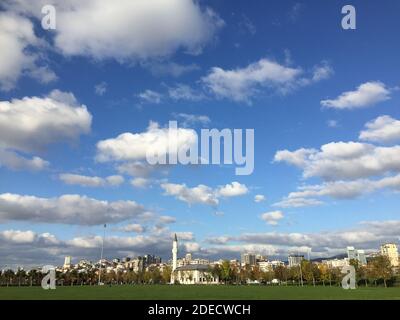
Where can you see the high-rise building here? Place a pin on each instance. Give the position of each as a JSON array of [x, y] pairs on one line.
[[351, 253], [361, 257], [67, 262], [150, 259], [248, 259], [390, 250], [260, 258], [188, 258], [135, 264], [354, 254], [295, 260]]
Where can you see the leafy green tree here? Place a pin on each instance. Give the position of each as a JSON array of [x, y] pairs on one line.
[[355, 263], [362, 275], [281, 273], [268, 276], [316, 273], [217, 271], [226, 271], [324, 273], [20, 276], [166, 274], [336, 276], [235, 274], [255, 273], [294, 274], [307, 271], [381, 269]]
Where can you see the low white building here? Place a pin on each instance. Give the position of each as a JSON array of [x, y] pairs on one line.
[[266, 266], [336, 263], [194, 274]]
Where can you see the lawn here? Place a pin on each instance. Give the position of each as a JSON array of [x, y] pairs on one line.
[[168, 292]]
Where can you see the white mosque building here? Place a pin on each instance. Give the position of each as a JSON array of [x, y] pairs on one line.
[[190, 273]]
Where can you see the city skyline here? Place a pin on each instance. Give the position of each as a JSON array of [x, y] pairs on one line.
[[243, 258], [82, 105], [251, 259]]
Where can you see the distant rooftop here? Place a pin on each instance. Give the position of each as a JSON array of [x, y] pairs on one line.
[[200, 267]]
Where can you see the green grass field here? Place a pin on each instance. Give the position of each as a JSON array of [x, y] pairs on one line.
[[166, 292]]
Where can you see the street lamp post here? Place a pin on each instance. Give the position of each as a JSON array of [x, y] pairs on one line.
[[301, 274], [301, 271], [101, 256]]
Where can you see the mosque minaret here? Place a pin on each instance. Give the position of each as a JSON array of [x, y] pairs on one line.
[[174, 253]]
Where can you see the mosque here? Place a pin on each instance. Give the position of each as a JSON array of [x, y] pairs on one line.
[[190, 273]]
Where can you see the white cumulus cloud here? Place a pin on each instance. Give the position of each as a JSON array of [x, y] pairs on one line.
[[366, 94], [134, 146], [381, 129], [89, 181], [233, 189], [127, 30], [140, 182], [19, 54], [12, 160], [344, 160], [272, 217], [297, 202], [203, 194], [133, 227], [67, 209], [242, 84], [150, 96], [259, 198], [31, 123]]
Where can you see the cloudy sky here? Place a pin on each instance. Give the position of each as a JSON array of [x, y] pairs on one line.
[[80, 106]]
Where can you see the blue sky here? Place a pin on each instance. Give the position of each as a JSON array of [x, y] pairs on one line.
[[287, 69]]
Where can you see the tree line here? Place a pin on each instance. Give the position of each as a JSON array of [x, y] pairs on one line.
[[75, 277], [377, 272]]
